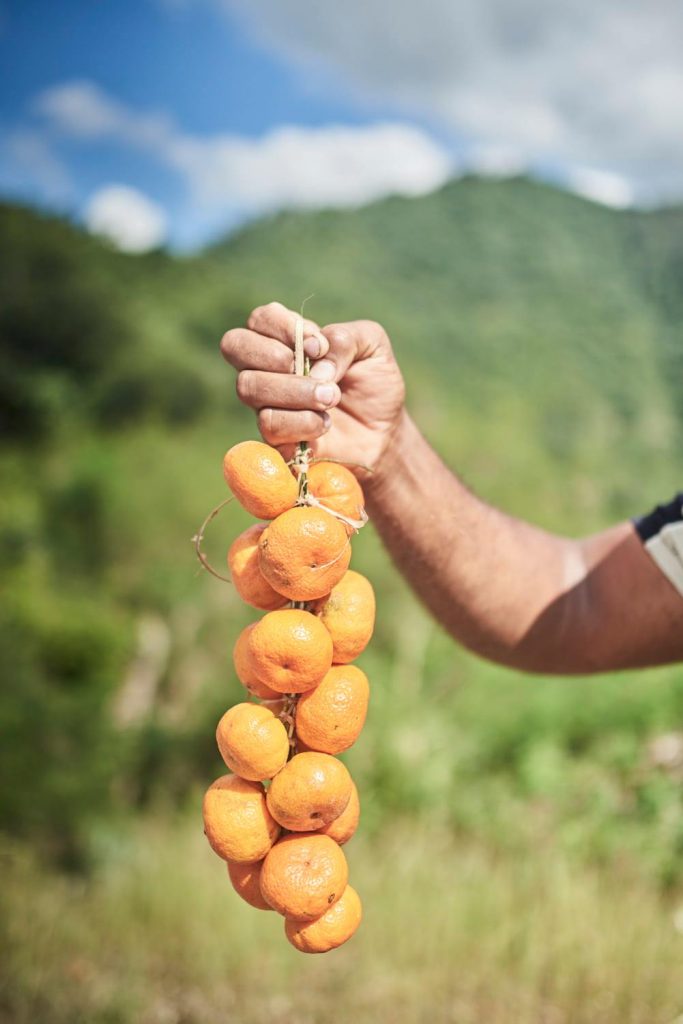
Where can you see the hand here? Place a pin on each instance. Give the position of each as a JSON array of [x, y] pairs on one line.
[[348, 408]]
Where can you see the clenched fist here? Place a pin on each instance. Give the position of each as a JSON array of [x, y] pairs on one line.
[[348, 408]]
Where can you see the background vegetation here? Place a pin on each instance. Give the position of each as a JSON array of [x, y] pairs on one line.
[[522, 838]]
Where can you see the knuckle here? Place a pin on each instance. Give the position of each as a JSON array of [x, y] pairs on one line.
[[245, 385], [264, 314], [265, 422], [336, 332], [376, 329], [227, 344], [339, 337], [254, 317]]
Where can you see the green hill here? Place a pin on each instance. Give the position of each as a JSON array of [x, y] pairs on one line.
[[540, 336]]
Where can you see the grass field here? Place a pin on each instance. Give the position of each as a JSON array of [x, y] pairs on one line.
[[521, 851], [453, 932]]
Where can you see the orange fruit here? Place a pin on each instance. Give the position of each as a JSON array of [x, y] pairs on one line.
[[304, 553], [289, 650], [343, 827], [337, 488], [244, 669], [246, 575], [303, 875], [237, 821], [253, 742], [330, 930], [246, 881], [330, 717], [311, 791], [348, 613], [260, 479]]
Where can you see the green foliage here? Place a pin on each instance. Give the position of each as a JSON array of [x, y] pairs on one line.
[[60, 664], [540, 337]]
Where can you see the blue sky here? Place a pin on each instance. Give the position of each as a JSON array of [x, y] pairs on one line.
[[174, 120]]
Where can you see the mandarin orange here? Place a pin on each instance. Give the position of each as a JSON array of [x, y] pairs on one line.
[[244, 669], [311, 791], [237, 821], [289, 650], [253, 742], [260, 479], [337, 488], [348, 613], [331, 929], [246, 576], [330, 717], [246, 881], [303, 875], [343, 827], [304, 553]]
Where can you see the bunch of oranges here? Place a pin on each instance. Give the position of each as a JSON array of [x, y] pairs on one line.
[[288, 805]]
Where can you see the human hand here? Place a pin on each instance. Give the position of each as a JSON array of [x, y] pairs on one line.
[[348, 408]]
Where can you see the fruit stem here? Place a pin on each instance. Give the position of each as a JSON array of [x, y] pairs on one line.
[[302, 368], [199, 537]]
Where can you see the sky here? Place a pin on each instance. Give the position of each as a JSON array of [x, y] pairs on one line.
[[170, 122]]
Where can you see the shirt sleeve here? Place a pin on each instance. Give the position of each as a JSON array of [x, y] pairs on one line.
[[661, 531]]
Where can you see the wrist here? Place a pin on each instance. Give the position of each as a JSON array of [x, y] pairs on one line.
[[394, 460]]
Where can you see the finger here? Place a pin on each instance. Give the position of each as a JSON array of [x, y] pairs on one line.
[[284, 426], [260, 390], [276, 321], [348, 343], [245, 349]]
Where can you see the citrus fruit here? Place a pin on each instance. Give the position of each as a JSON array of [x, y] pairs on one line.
[[311, 791], [246, 881], [246, 575], [260, 479], [289, 651], [237, 821], [329, 930], [330, 717], [343, 827], [253, 742], [348, 613], [303, 875], [337, 488], [304, 553], [244, 669]]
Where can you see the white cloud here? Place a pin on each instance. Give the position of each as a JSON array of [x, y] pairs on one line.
[[80, 109], [585, 83], [312, 167], [493, 161], [601, 186], [291, 166], [126, 217]]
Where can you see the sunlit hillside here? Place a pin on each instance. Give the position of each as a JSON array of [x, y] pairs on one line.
[[540, 338]]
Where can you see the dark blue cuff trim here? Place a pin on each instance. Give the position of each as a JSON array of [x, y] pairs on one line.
[[650, 525]]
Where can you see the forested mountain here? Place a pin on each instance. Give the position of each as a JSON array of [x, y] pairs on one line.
[[541, 339]]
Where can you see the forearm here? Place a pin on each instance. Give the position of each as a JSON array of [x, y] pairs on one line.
[[505, 589], [502, 587]]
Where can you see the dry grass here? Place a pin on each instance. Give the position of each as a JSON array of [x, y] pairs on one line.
[[451, 933]]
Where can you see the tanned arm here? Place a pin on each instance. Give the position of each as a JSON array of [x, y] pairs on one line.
[[505, 589]]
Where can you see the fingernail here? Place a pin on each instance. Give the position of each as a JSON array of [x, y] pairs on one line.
[[325, 394], [323, 370], [312, 347], [327, 421]]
